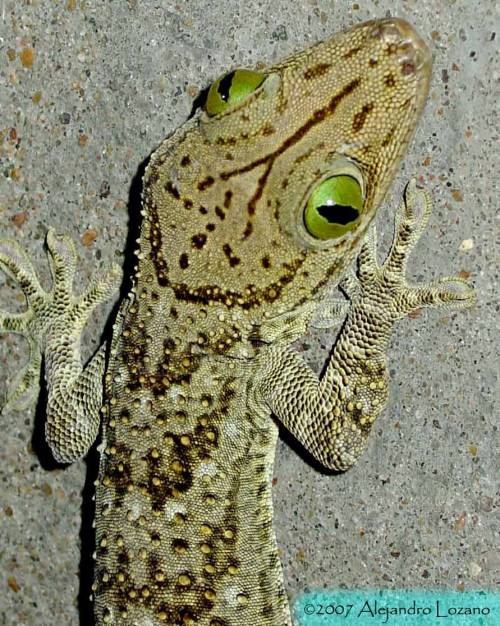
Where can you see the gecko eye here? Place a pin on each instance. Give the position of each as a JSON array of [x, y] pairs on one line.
[[334, 207], [232, 88]]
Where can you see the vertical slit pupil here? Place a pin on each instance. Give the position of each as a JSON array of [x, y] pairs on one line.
[[338, 213], [225, 86]]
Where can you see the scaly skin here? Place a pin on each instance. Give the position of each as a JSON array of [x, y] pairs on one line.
[[227, 278]]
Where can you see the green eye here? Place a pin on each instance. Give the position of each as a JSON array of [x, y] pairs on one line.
[[334, 207], [231, 88]]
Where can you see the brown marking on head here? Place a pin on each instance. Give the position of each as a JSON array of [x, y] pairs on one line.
[[206, 183], [316, 118], [233, 260], [172, 189], [228, 194], [251, 297], [352, 52], [389, 80], [360, 117], [183, 261], [408, 69], [188, 204], [185, 161], [388, 137], [220, 213], [252, 204], [199, 241], [248, 230], [316, 71]]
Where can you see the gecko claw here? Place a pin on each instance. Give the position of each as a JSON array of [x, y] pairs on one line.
[[385, 287], [47, 311]]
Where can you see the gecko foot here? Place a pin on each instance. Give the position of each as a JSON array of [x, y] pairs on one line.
[[49, 313], [383, 288]]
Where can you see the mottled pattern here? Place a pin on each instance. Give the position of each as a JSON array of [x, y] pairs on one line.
[[227, 278]]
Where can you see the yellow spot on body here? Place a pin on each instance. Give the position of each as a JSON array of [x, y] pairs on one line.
[[242, 598], [210, 594], [209, 568], [184, 580], [228, 534], [205, 548], [206, 530], [232, 569], [177, 467], [185, 440]]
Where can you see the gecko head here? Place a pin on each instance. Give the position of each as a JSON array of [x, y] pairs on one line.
[[265, 195]]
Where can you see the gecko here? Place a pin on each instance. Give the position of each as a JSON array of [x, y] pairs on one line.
[[251, 212]]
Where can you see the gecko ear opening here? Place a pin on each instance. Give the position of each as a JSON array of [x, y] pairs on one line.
[[232, 88], [334, 207]]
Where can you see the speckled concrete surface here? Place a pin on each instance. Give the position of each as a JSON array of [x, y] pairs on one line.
[[88, 89]]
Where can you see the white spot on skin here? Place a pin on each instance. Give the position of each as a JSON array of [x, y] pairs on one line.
[[209, 469], [135, 509], [230, 595], [231, 430], [172, 509], [175, 392]]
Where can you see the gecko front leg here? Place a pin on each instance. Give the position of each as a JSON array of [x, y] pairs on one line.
[[52, 325], [332, 417]]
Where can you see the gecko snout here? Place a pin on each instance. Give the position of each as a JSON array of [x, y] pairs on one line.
[[400, 38]]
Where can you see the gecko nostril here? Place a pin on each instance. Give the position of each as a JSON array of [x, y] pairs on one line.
[[399, 38]]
